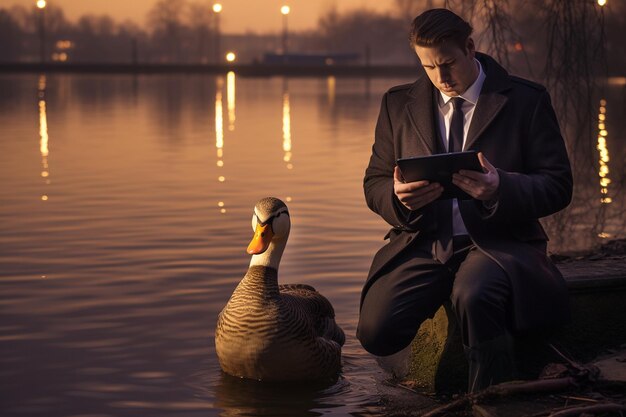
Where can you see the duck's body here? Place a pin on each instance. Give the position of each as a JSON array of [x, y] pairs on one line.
[[276, 332]]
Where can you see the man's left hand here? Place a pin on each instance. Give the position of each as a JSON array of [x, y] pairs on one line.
[[480, 185]]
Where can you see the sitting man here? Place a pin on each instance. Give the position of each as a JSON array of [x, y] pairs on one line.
[[486, 255]]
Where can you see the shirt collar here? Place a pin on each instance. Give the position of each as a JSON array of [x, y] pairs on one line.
[[472, 93]]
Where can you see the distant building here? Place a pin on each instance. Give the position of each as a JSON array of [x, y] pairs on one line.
[[311, 58]]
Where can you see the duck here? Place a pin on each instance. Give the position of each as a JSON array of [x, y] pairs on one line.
[[272, 332]]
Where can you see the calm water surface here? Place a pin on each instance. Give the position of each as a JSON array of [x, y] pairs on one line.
[[125, 211]]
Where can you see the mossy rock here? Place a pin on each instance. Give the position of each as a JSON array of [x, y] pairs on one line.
[[437, 359]]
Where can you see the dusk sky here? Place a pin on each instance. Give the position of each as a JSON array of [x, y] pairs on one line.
[[237, 16]]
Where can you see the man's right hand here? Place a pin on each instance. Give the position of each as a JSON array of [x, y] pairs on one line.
[[417, 194]]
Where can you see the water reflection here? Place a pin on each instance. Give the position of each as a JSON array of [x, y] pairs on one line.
[[331, 87], [219, 134], [230, 98], [286, 126], [43, 133], [604, 155], [239, 397]]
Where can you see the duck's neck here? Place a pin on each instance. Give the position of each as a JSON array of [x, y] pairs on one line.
[[260, 283], [271, 257]]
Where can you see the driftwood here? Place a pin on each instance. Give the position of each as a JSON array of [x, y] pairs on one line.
[[503, 390], [589, 409]]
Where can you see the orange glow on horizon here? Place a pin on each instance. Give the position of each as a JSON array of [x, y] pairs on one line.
[[240, 16]]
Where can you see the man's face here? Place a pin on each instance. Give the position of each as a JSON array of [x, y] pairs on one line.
[[451, 69]]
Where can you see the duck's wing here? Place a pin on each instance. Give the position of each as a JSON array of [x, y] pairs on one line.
[[317, 309]]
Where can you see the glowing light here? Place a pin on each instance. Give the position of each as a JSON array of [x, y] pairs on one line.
[[221, 178], [64, 44], [518, 46], [62, 56], [223, 211], [285, 10], [604, 235], [288, 199], [217, 8], [220, 204], [230, 57], [220, 163], [601, 3], [44, 198], [41, 4], [230, 99]]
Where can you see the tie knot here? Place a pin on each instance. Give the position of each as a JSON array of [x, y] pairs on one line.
[[457, 102]]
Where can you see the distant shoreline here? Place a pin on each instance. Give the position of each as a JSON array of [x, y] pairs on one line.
[[253, 70]]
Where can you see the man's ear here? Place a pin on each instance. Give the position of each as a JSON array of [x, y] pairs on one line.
[[470, 47]]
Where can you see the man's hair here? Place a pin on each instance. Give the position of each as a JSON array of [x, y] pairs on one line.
[[435, 26]]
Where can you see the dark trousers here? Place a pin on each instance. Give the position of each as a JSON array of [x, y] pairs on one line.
[[415, 286]]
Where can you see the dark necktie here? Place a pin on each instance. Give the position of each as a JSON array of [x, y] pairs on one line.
[[455, 138], [443, 247]]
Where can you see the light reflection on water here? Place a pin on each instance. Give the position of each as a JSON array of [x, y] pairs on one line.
[[111, 288]]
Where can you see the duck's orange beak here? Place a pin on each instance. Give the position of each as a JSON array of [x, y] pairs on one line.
[[261, 241]]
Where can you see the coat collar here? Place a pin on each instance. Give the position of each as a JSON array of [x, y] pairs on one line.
[[490, 102]]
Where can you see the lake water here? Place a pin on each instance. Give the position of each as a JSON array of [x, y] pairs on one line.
[[125, 211]]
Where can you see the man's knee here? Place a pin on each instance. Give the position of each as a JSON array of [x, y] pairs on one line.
[[469, 298], [381, 337], [481, 292]]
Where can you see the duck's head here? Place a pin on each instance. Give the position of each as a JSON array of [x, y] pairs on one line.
[[269, 221]]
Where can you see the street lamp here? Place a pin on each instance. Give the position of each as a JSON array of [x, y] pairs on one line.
[[285, 11], [217, 9], [41, 5]]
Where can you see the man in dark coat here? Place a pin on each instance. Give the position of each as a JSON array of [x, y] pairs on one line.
[[486, 255]]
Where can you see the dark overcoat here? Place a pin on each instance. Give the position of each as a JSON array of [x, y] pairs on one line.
[[515, 127]]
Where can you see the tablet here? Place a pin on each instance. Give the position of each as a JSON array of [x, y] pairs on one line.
[[439, 168]]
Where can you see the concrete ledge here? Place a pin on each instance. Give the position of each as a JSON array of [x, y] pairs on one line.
[[598, 300]]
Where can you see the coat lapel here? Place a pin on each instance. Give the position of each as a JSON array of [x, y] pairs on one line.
[[421, 113], [487, 108], [491, 99]]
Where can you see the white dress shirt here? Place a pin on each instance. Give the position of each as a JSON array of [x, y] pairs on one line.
[[445, 117]]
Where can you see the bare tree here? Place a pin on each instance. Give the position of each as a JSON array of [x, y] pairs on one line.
[[10, 37], [200, 18], [165, 19]]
